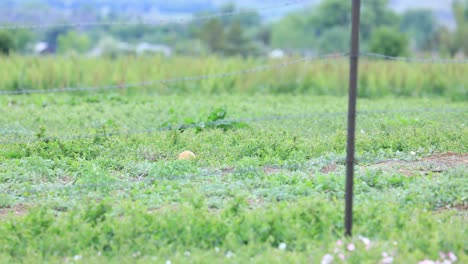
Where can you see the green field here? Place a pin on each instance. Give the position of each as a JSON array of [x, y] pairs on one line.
[[93, 177]]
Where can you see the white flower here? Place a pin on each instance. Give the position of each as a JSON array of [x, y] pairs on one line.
[[187, 253], [217, 249], [413, 153], [168, 262], [327, 259], [229, 254], [426, 261], [452, 256], [282, 246], [387, 260], [442, 255], [365, 240], [77, 257], [351, 247]]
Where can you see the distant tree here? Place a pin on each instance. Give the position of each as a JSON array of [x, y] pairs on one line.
[[236, 42], [332, 13], [246, 17], [444, 42], [318, 27], [335, 40], [7, 44], [213, 36], [52, 35], [389, 41], [376, 14], [421, 25], [22, 38], [263, 35], [460, 10], [290, 32], [73, 42], [304, 29]]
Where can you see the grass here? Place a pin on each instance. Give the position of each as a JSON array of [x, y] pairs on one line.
[[377, 78], [82, 180]]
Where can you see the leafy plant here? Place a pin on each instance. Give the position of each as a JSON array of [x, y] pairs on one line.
[[389, 41], [7, 44], [215, 120]]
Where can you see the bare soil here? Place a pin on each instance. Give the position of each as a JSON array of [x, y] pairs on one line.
[[272, 170], [433, 164], [329, 168], [17, 210]]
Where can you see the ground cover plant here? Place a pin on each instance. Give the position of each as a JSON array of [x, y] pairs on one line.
[[93, 176]]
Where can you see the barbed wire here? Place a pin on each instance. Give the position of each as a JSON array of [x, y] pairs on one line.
[[225, 122], [193, 78], [412, 59], [176, 79], [247, 71], [161, 21]]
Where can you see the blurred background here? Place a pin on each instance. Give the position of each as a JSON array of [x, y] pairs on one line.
[[436, 28]]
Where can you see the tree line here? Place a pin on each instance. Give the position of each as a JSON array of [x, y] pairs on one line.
[[319, 29]]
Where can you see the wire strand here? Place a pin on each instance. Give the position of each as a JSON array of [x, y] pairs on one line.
[[175, 79], [193, 78], [413, 60]]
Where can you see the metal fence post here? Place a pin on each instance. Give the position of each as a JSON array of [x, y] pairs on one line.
[[353, 74]]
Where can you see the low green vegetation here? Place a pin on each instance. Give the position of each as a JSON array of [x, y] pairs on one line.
[[94, 177], [89, 146]]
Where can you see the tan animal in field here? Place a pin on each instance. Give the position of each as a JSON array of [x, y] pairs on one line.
[[187, 155]]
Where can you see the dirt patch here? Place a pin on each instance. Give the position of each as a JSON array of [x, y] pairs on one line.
[[433, 164], [329, 168], [255, 202], [449, 159], [461, 207], [272, 170], [228, 170], [461, 210], [17, 210], [457, 207], [66, 179], [171, 207]]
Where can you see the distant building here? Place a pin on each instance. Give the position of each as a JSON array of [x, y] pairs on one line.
[[144, 48], [109, 46], [460, 55], [41, 48], [277, 54]]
